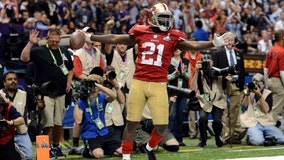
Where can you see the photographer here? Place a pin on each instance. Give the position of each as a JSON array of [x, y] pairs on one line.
[[227, 57], [211, 97], [18, 98], [89, 111], [9, 119], [256, 116], [114, 110]]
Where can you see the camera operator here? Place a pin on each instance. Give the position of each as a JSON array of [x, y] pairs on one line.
[[18, 98], [52, 63], [229, 56], [89, 111], [211, 97], [257, 116], [9, 119]]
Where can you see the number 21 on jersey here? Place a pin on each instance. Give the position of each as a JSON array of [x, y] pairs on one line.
[[152, 61]]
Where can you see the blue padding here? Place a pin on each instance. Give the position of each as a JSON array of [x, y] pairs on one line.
[[247, 80]]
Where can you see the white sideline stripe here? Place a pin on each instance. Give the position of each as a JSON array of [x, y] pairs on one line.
[[260, 158], [258, 149]]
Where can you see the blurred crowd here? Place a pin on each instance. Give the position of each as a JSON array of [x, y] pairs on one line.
[[254, 21]]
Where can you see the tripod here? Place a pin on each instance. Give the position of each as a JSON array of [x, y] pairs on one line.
[[228, 100]]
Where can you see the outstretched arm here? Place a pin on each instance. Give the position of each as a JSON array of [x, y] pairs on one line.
[[114, 39], [200, 45]]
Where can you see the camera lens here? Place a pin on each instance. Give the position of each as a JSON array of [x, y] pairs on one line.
[[111, 75], [252, 86]]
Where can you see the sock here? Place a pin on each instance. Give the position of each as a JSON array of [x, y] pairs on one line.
[[126, 156], [155, 139], [126, 147], [148, 147], [75, 142]]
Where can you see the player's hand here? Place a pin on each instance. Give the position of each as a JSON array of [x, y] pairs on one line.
[[221, 40], [87, 35]]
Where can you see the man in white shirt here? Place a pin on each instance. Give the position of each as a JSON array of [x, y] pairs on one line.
[[280, 23]]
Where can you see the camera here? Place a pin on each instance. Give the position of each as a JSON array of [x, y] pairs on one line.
[[173, 90], [111, 75], [232, 70], [83, 88], [46, 89], [205, 63], [269, 141], [49, 88], [252, 86]]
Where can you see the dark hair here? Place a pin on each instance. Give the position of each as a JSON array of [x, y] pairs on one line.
[[6, 74], [98, 71], [198, 24], [91, 30]]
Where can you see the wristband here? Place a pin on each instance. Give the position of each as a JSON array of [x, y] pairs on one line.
[[13, 123]]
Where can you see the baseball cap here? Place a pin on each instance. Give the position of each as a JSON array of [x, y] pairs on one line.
[[258, 77]]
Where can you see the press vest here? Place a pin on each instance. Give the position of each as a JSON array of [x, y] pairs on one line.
[[248, 118], [88, 61], [127, 67]]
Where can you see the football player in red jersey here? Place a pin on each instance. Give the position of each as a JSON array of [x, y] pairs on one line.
[[157, 43]]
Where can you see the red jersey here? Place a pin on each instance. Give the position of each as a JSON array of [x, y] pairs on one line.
[[275, 60], [155, 52]]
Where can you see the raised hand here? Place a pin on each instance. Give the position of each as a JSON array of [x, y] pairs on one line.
[[34, 36]]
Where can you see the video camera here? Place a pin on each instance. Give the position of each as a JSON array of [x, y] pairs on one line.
[[49, 89], [173, 90], [83, 88], [35, 92], [205, 63]]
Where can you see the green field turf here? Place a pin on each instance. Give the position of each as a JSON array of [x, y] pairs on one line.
[[210, 152]]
